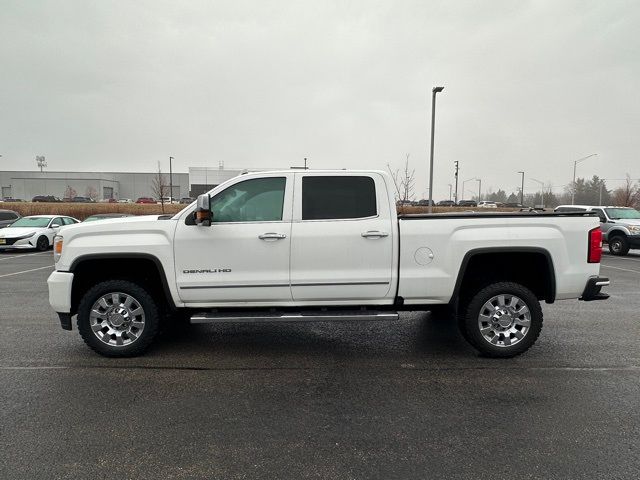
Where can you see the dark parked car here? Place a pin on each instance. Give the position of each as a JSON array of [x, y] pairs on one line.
[[106, 216], [82, 200], [186, 200], [467, 203], [446, 203], [7, 217], [146, 200], [45, 199]]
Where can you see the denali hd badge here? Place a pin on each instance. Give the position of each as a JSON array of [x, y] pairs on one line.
[[209, 270]]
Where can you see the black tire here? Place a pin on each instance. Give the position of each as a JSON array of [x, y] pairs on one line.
[[42, 244], [618, 245], [141, 296], [470, 325]]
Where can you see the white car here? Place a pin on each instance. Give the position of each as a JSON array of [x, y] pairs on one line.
[[125, 200], [36, 231], [487, 204]]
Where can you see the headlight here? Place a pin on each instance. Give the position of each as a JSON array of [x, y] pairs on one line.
[[22, 237], [57, 248], [634, 229]]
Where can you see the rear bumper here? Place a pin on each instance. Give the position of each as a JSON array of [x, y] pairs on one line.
[[593, 289]]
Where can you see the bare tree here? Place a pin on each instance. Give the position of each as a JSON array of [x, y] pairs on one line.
[[69, 192], [404, 182], [41, 162], [628, 195], [91, 192], [159, 186]]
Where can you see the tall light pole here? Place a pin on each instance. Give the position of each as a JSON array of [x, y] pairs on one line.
[[522, 190], [573, 185], [541, 190], [434, 90], [455, 196], [479, 189], [170, 181], [465, 181]]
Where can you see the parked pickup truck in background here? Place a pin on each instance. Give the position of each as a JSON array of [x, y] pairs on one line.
[[620, 225], [319, 246]]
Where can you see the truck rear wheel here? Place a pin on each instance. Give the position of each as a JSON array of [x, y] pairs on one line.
[[118, 318], [502, 320]]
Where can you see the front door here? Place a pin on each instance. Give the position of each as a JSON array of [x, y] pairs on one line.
[[244, 256]]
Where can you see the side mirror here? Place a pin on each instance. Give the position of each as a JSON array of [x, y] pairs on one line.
[[54, 225], [203, 215]]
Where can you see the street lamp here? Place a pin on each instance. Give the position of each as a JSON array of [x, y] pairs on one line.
[[170, 181], [573, 185], [541, 190], [434, 90], [522, 190], [455, 196], [465, 181]]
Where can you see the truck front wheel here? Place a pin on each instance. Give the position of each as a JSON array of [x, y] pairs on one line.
[[118, 318], [502, 320], [618, 245]]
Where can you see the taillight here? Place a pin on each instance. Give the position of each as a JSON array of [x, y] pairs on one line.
[[595, 246]]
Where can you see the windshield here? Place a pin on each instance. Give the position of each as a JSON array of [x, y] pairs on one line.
[[619, 213], [36, 222]]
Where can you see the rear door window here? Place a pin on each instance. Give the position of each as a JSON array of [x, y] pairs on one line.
[[338, 197]]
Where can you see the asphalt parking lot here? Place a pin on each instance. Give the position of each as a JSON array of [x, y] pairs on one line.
[[402, 400]]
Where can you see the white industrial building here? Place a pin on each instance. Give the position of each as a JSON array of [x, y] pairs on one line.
[[27, 184]]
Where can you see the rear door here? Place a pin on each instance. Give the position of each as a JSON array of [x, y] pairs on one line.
[[341, 238]]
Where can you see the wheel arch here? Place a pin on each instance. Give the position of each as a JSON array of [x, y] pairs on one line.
[[142, 267], [543, 282]]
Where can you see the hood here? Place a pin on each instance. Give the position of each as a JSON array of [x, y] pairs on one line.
[[18, 231], [138, 222], [624, 221]]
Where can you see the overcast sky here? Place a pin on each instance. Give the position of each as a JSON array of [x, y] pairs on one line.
[[118, 85]]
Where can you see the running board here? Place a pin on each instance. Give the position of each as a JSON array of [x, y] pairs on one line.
[[248, 317]]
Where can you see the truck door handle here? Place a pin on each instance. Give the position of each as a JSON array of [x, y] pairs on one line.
[[374, 234], [272, 236]]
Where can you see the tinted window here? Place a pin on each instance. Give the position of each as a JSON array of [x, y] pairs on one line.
[[600, 214], [68, 221], [569, 209], [8, 216], [58, 221], [338, 197], [256, 200]]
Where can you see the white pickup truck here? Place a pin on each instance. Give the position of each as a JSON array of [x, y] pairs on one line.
[[317, 246]]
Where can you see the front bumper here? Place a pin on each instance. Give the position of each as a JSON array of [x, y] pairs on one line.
[[60, 286], [21, 244], [634, 241], [593, 289]]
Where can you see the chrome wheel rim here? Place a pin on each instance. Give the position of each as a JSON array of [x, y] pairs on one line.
[[504, 320], [117, 319], [616, 246]]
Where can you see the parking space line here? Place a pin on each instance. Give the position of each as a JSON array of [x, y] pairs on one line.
[[618, 268], [24, 255], [33, 270], [624, 259]]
